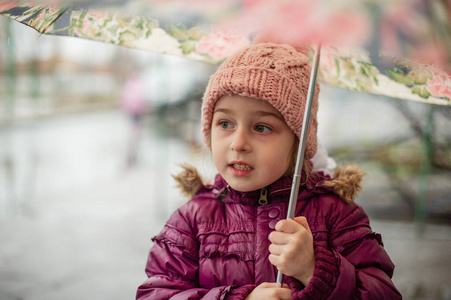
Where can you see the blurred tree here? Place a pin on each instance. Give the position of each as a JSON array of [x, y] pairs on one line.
[[9, 73], [417, 164]]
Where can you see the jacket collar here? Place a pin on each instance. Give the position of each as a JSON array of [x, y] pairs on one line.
[[346, 183], [277, 192]]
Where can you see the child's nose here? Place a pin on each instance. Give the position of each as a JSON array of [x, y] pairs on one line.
[[240, 141]]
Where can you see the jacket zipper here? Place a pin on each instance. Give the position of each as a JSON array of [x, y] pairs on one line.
[[263, 196]]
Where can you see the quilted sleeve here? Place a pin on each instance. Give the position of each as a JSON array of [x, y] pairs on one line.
[[365, 269], [352, 262]]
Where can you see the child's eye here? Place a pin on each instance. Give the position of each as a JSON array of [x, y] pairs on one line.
[[225, 125], [262, 128]]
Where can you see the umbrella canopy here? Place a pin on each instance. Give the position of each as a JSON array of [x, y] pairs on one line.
[[396, 48]]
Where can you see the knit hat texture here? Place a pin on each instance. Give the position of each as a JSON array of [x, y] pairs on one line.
[[271, 72]]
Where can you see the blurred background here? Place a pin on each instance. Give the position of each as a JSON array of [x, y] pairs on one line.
[[90, 134]]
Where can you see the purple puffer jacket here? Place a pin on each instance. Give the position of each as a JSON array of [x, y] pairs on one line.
[[216, 246]]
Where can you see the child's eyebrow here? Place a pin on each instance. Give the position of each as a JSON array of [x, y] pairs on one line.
[[260, 113], [271, 114], [223, 110]]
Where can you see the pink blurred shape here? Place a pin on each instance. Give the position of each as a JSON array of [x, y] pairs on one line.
[[133, 100], [221, 43]]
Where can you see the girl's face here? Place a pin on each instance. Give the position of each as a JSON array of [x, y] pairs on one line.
[[251, 144]]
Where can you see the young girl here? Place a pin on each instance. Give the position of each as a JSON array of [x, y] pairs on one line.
[[231, 238]]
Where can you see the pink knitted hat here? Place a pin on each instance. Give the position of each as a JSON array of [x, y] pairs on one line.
[[275, 73]]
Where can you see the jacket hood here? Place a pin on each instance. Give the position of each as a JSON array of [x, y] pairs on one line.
[[346, 181]]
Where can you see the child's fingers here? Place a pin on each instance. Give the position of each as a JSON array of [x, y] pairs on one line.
[[285, 294], [279, 257], [282, 263], [274, 260], [273, 285], [279, 238], [302, 221], [270, 290], [287, 226], [276, 249], [267, 285]]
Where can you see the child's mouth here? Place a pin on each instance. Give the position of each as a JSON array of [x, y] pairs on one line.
[[241, 167]]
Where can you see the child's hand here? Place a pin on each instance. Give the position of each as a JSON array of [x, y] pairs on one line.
[[292, 249], [269, 291]]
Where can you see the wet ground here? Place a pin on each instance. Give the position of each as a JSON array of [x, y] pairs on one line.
[[76, 219]]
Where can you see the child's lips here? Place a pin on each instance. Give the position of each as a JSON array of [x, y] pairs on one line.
[[240, 169]]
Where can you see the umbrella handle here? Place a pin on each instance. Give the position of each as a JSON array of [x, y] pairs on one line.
[[301, 148]]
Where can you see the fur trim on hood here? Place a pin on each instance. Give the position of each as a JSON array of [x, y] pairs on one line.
[[189, 180], [346, 181]]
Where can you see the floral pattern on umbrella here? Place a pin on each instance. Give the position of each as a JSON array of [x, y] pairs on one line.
[[406, 79], [204, 40]]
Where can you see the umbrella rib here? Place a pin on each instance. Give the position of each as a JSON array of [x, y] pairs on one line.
[[56, 19]]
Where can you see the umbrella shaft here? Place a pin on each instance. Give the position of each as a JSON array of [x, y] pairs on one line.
[[301, 148]]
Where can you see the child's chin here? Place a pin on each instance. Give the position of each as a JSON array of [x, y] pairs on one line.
[[244, 187]]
